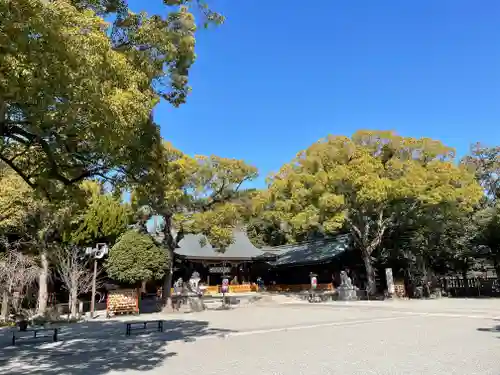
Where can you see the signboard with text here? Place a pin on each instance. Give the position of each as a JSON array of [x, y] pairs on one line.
[[219, 269]]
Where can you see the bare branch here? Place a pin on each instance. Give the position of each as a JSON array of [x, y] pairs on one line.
[[74, 269], [17, 273]]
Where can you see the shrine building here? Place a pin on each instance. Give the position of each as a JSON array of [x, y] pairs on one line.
[[282, 267]]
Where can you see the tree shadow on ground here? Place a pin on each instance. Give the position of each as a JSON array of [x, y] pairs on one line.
[[494, 329], [95, 348], [491, 329]]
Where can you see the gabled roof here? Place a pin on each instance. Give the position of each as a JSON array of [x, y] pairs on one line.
[[241, 249], [309, 252]]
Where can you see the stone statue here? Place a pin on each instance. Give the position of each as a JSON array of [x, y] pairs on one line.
[[178, 286], [345, 280], [346, 291], [194, 281], [194, 295]]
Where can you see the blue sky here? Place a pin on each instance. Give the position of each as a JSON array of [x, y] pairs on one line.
[[279, 75]]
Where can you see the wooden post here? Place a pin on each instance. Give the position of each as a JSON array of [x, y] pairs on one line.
[[92, 301]]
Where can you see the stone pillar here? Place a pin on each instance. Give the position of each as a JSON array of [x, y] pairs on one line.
[[390, 281]]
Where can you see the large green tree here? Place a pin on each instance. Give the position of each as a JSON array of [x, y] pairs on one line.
[[484, 162], [432, 240], [76, 93], [70, 105], [194, 195], [363, 182], [31, 224]]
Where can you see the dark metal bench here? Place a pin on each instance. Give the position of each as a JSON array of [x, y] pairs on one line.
[[131, 326], [16, 335]]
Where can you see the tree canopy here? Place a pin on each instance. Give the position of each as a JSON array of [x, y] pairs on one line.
[[196, 194], [76, 92], [103, 218], [362, 183], [135, 258], [71, 107]]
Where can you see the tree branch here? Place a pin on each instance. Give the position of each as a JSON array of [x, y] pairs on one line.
[[21, 174]]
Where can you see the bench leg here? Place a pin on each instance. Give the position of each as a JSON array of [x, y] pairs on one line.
[[160, 326], [13, 338], [128, 330], [54, 338]]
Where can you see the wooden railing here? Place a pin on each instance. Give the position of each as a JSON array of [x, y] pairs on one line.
[[215, 289], [247, 288]]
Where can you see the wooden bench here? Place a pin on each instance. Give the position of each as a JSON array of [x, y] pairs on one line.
[[16, 335], [130, 326]]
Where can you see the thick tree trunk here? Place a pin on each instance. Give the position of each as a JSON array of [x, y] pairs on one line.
[[42, 283], [170, 244], [371, 286], [4, 312], [167, 284], [368, 231]]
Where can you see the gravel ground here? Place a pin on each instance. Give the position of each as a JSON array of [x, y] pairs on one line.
[[402, 337]]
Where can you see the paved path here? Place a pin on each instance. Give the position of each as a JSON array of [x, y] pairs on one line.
[[408, 337]]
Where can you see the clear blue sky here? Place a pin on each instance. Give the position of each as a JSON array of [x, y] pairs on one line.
[[279, 75]]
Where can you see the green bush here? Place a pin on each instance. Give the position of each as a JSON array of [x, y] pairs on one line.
[[135, 257]]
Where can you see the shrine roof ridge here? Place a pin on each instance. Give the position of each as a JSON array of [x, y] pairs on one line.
[[241, 249]]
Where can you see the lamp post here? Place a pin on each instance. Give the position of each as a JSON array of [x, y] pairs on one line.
[[97, 252]]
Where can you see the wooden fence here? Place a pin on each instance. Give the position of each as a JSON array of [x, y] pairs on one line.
[[472, 287]]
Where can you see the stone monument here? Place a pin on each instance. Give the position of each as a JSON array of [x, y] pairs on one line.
[[390, 282], [346, 291], [194, 295]]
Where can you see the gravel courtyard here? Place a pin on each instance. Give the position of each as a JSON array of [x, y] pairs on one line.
[[406, 337]]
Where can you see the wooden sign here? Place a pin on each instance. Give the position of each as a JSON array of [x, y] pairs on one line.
[[219, 269]]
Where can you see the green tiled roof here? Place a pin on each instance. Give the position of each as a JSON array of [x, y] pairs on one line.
[[241, 249], [310, 252]]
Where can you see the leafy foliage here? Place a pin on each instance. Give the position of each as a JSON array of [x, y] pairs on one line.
[[135, 257], [196, 194], [485, 163], [363, 183], [76, 93], [103, 219], [70, 105], [17, 201]]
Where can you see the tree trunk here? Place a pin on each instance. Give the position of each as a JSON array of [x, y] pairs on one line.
[[368, 235], [496, 265], [370, 274], [73, 300], [4, 313], [42, 283], [170, 244], [466, 282], [167, 283]]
